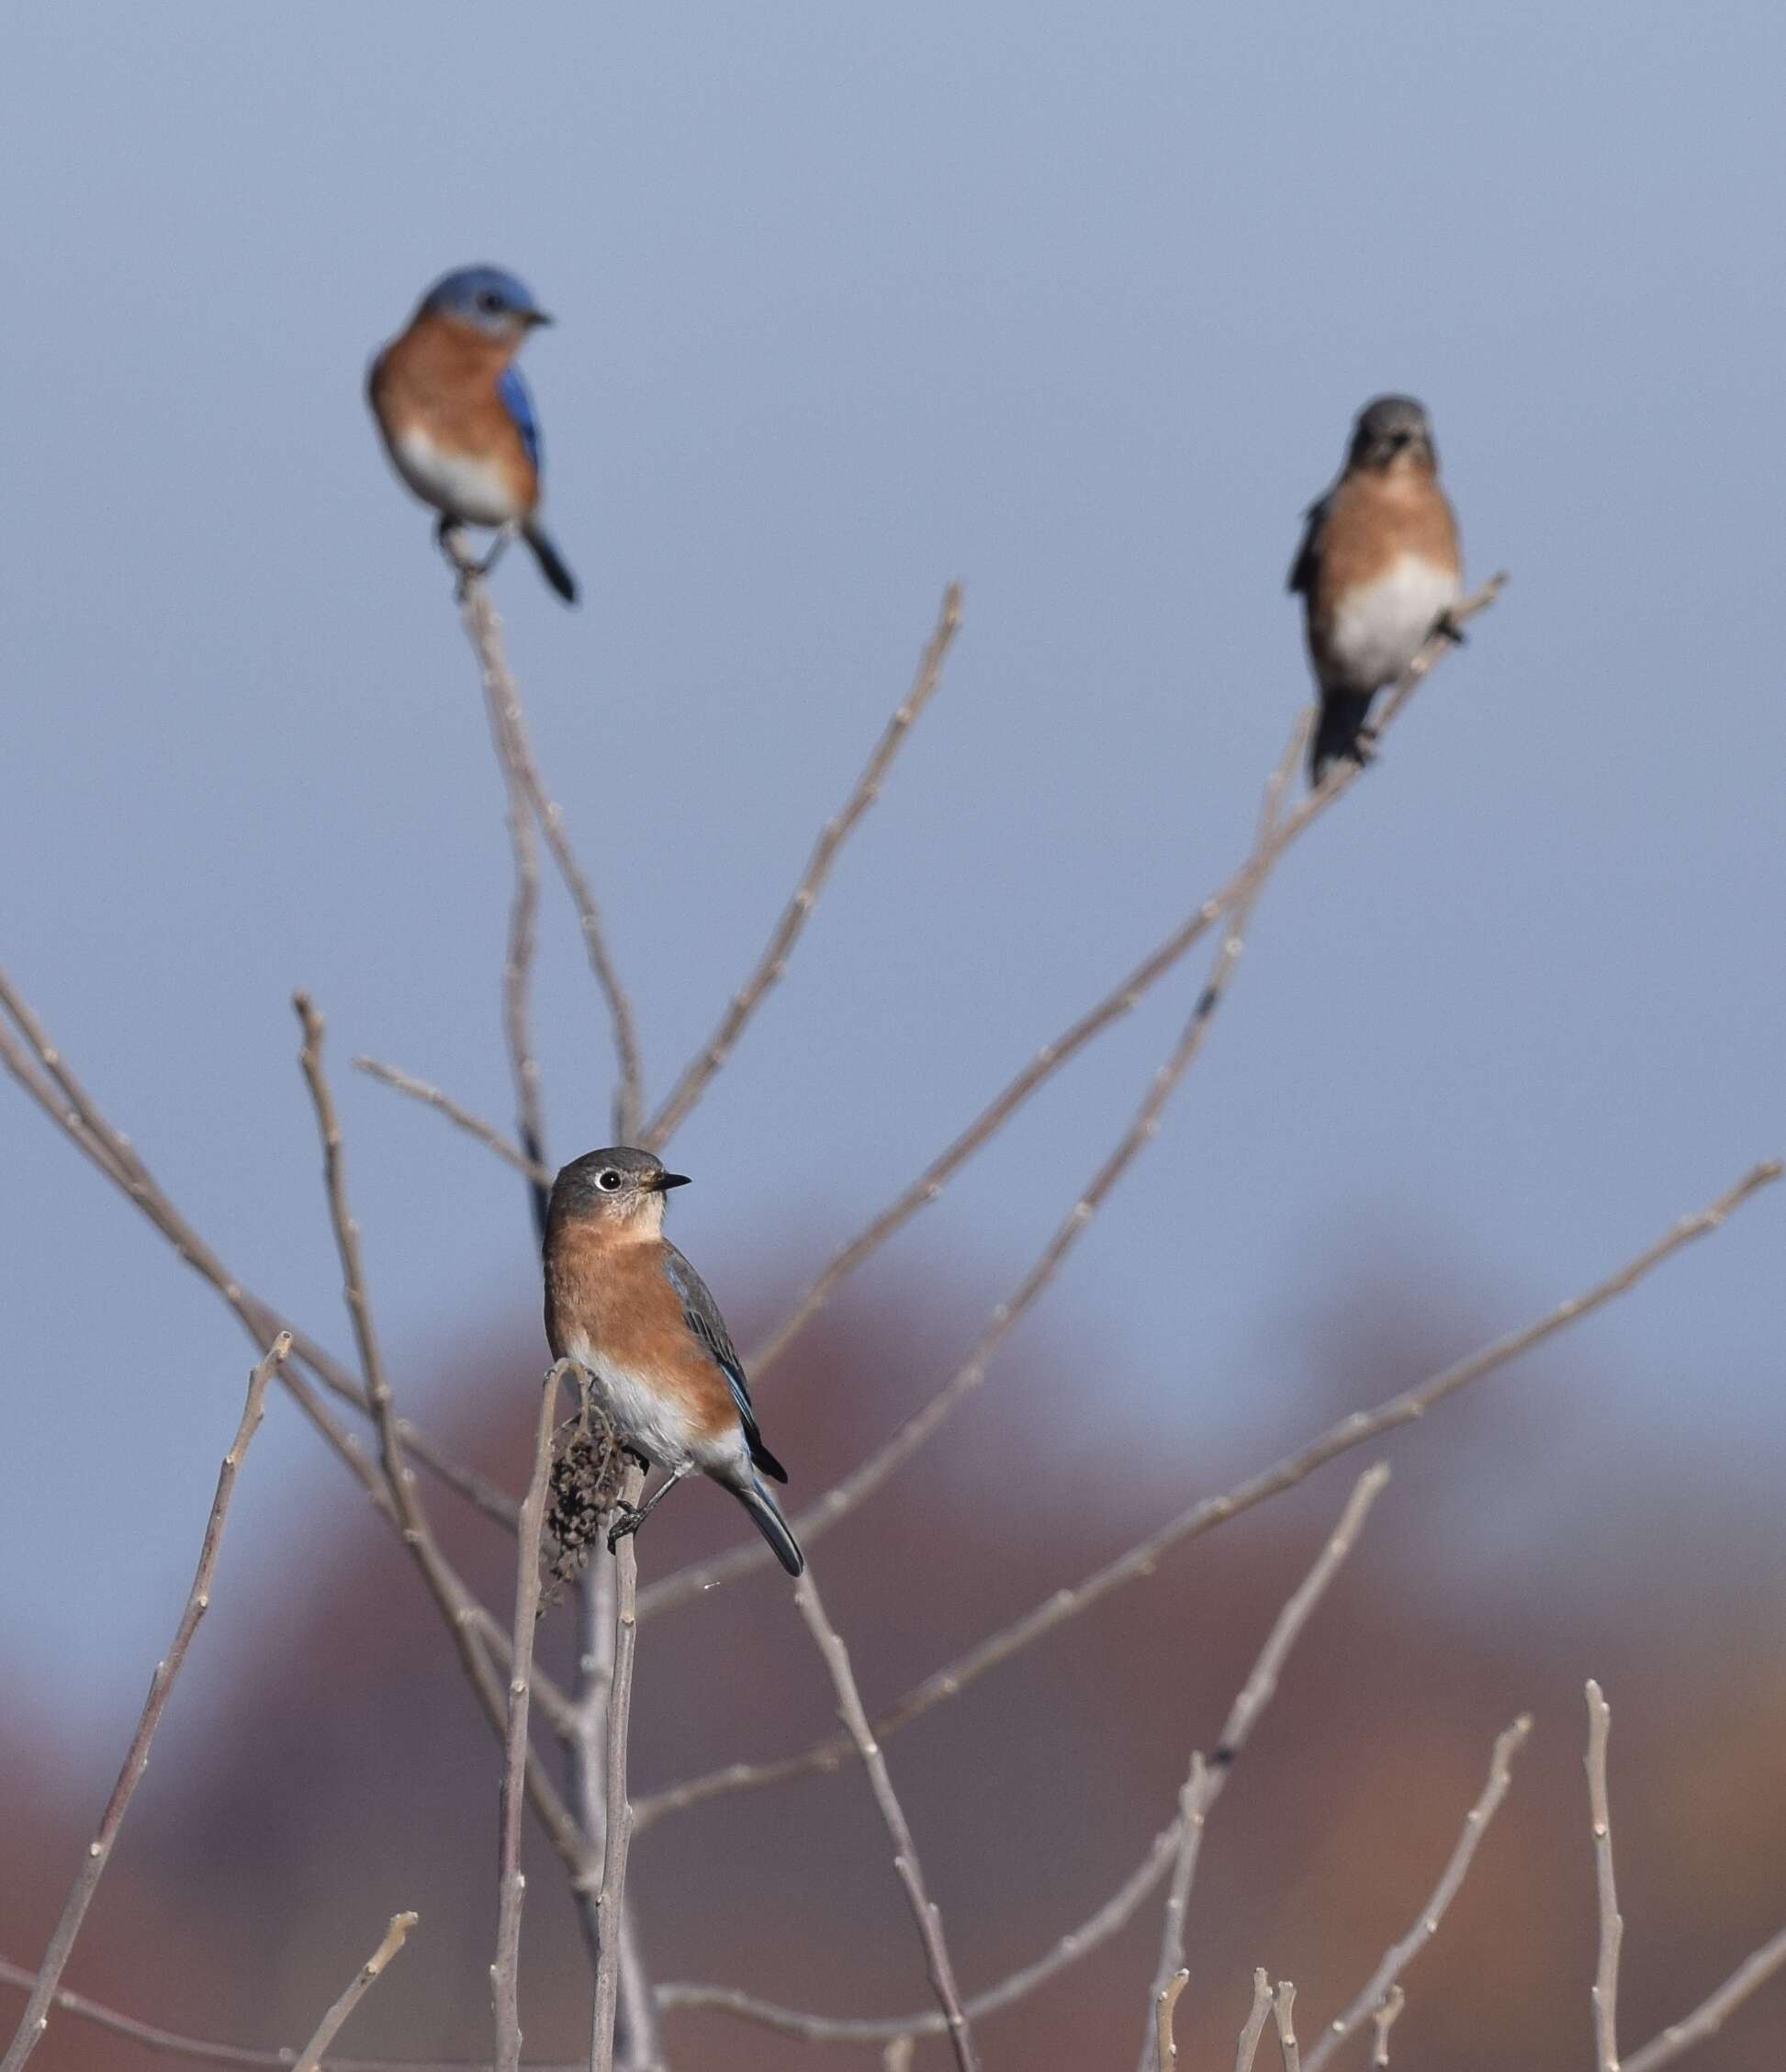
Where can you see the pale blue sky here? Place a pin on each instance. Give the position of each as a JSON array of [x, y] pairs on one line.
[[1070, 302]]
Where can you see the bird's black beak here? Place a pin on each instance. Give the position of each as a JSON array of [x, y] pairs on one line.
[[666, 1181], [536, 318]]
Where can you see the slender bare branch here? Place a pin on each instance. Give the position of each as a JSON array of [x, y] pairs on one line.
[[63, 1098], [310, 2057], [843, 1497], [1612, 1927], [1399, 1955], [508, 725], [474, 1125], [772, 967], [1361, 1427], [1280, 2015], [456, 1606], [501, 697], [1248, 2048], [1166, 2044], [1382, 2020], [617, 1838], [511, 1883], [1204, 1787], [36, 2016], [897, 2056], [1204, 1784], [925, 1912], [1120, 1000], [1710, 2015]]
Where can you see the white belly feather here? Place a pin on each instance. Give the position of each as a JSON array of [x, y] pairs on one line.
[[651, 1419], [458, 484], [1381, 627]]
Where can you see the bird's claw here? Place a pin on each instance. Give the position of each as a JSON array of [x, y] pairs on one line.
[[627, 1519], [1448, 628]]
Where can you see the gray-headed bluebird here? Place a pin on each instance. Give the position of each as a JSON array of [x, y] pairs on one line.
[[1379, 571], [629, 1309], [456, 417]]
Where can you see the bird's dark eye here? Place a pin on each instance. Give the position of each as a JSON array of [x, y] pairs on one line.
[[607, 1180], [490, 302]]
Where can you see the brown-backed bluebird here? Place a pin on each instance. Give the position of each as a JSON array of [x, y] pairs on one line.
[[456, 417], [629, 1309], [1379, 571]]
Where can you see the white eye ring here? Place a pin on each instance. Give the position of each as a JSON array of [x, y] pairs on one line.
[[607, 1180]]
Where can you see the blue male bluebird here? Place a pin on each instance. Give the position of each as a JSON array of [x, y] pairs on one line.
[[624, 1304], [456, 417], [1378, 570]]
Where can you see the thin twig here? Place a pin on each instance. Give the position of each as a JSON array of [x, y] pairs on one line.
[[925, 1912], [1399, 1955], [1120, 1000], [1166, 1851], [617, 1839], [1383, 2020], [474, 1125], [72, 1109], [1248, 2048], [1361, 1427], [1280, 2013], [457, 1607], [1204, 1785], [310, 2057], [772, 967], [1612, 1927], [36, 2016], [484, 631], [509, 724], [843, 1497], [897, 2056], [1166, 2044], [512, 1883], [1709, 2016]]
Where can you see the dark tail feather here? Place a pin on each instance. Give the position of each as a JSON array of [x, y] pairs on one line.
[[551, 566], [774, 1527], [1342, 716]]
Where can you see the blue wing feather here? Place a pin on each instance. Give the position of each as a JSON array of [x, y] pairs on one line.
[[701, 1314], [519, 404]]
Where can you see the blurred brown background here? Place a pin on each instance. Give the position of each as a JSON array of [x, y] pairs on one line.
[[337, 1771]]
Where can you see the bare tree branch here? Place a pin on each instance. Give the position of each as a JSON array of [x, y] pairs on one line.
[[1401, 1955], [843, 1497], [769, 968], [1165, 2046], [1280, 2015], [1709, 2016], [1204, 1785], [36, 2016], [509, 724], [69, 1106], [1382, 2020], [1612, 1928], [310, 2057], [511, 1883], [1166, 1849], [617, 1838], [457, 1607], [925, 1912], [1120, 1000], [474, 1125], [1360, 1429], [1248, 2048]]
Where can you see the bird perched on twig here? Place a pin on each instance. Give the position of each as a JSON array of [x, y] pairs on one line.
[[624, 1304], [1379, 571], [456, 417]]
